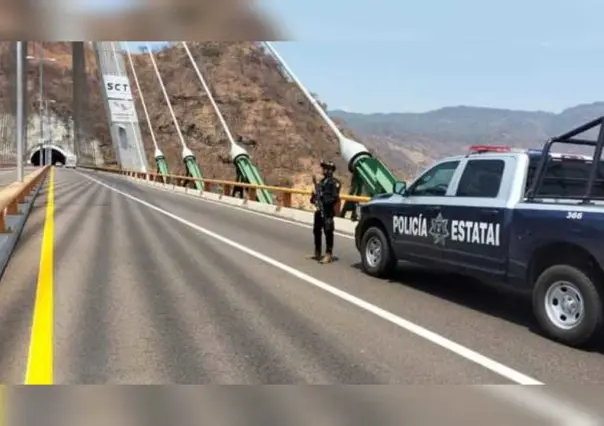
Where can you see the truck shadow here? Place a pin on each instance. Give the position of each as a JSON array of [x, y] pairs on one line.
[[470, 293]]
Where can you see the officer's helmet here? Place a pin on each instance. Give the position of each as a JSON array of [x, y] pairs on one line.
[[328, 166]]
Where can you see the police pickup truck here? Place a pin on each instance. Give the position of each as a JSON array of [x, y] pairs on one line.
[[531, 220]]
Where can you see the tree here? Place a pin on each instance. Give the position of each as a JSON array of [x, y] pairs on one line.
[[322, 104]]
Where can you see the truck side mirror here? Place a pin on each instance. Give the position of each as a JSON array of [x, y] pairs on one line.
[[400, 187]]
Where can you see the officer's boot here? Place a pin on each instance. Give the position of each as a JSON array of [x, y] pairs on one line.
[[317, 240], [316, 256], [328, 258]]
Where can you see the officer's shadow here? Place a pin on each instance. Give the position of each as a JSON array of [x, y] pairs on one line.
[[470, 293], [334, 259]]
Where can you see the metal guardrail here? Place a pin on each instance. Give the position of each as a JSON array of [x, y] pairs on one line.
[[284, 195], [16, 193]]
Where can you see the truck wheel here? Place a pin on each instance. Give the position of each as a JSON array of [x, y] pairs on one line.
[[568, 305], [377, 257]]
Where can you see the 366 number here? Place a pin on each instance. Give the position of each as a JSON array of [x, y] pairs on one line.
[[574, 215]]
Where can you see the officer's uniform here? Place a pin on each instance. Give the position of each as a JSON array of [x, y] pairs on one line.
[[324, 221]]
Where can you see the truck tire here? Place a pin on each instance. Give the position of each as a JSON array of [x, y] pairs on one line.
[[377, 257], [568, 305]]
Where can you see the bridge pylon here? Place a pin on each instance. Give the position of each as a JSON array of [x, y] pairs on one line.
[[120, 106]]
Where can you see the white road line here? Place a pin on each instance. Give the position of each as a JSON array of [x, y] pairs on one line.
[[535, 400], [218, 203], [467, 353]]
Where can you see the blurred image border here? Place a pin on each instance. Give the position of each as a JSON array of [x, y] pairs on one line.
[[151, 20]]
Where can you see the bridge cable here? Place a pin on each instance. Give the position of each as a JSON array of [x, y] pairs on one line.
[[209, 93], [160, 159], [166, 97], [310, 97], [246, 170], [188, 158], [5, 143], [140, 92]]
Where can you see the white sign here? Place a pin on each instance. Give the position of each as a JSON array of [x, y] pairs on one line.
[[117, 87], [461, 231], [122, 111], [467, 231]]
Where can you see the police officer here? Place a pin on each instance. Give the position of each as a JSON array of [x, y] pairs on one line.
[[325, 197]]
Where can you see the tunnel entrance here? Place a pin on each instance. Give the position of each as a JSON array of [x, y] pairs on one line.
[[56, 156]]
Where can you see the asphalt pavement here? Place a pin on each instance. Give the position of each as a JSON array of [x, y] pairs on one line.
[[153, 287]]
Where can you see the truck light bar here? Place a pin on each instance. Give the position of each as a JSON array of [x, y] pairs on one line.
[[488, 148]]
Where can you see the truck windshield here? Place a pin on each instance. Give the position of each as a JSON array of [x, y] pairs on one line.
[[566, 177]]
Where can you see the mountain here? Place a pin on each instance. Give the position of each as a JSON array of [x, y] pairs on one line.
[[282, 132], [412, 140]]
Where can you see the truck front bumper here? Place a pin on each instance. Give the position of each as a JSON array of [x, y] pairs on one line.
[[358, 234]]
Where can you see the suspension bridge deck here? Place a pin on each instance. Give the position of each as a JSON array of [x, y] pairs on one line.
[[155, 287]]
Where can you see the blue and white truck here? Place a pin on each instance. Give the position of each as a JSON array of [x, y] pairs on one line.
[[531, 220]]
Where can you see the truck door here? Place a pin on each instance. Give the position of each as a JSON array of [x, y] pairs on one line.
[[478, 217], [418, 231]]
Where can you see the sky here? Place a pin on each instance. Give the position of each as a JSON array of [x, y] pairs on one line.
[[398, 56]]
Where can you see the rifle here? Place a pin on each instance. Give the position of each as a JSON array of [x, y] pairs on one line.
[[318, 196]]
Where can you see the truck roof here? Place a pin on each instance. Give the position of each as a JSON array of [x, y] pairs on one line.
[[502, 150]]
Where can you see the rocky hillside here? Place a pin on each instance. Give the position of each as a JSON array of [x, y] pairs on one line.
[[282, 132], [411, 141], [58, 87], [279, 127]]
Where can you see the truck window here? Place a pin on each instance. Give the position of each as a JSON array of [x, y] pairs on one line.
[[566, 178], [481, 178], [435, 181]]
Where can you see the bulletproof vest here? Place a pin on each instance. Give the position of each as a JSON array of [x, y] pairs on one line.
[[328, 185]]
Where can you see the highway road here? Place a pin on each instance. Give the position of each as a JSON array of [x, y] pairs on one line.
[[153, 287]]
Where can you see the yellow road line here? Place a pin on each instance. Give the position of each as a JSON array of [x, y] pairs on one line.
[[40, 359]]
